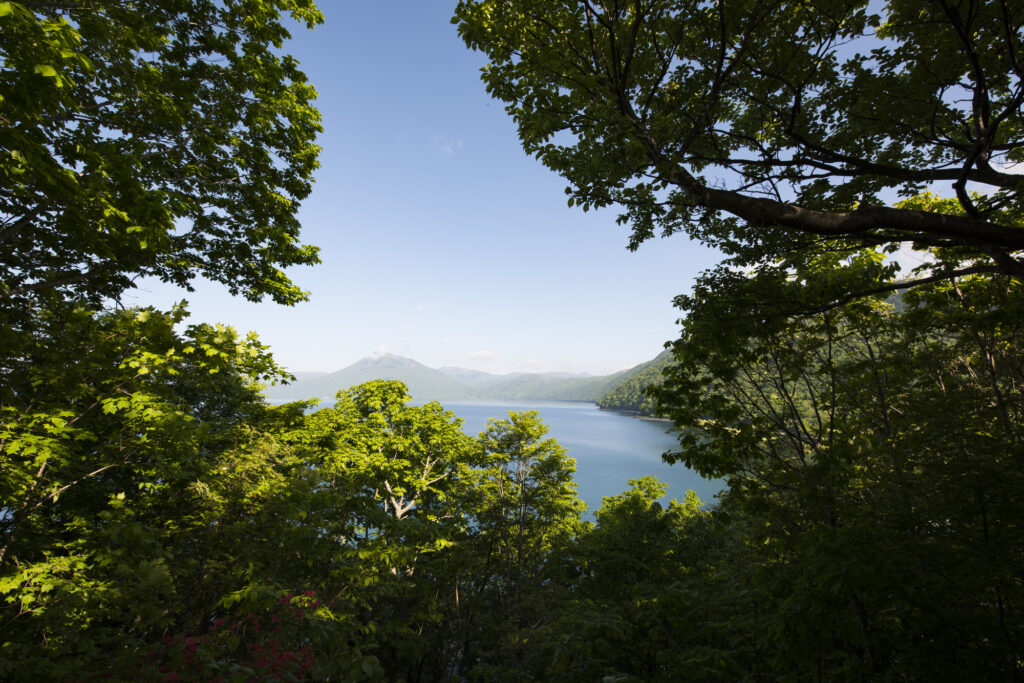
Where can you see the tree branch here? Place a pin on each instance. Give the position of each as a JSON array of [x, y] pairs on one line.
[[979, 233]]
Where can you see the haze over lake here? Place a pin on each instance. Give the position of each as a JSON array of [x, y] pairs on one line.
[[610, 447]]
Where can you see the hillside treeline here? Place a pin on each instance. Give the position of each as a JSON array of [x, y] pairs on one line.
[[634, 391]]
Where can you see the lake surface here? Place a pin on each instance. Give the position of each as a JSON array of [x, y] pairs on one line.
[[610, 447]]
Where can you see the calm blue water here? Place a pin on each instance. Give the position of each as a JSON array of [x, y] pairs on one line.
[[610, 447]]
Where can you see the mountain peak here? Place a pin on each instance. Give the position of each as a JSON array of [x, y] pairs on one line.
[[384, 356]]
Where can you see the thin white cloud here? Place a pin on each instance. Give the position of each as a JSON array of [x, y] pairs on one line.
[[483, 354], [446, 147]]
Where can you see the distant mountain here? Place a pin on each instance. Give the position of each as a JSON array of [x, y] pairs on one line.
[[550, 388], [479, 376], [304, 375], [627, 392], [567, 375], [475, 376], [424, 383], [460, 384]]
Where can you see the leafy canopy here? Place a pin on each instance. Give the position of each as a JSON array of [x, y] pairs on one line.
[[767, 128], [152, 138]]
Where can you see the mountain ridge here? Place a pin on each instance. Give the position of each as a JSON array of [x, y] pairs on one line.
[[451, 383]]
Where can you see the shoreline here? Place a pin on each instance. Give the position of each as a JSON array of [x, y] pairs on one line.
[[635, 414]]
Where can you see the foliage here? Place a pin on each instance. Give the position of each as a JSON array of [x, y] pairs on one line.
[[152, 138], [137, 456], [874, 450], [160, 520], [113, 425], [772, 128], [176, 525], [871, 444], [526, 511]]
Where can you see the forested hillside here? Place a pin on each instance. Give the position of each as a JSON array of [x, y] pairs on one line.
[[631, 390], [161, 521], [545, 388], [451, 384]]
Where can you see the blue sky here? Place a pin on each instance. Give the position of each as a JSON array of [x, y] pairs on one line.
[[440, 239]]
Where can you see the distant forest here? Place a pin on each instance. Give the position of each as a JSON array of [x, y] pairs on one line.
[[633, 391]]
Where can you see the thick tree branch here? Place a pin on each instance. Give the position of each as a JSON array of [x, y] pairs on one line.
[[767, 212]]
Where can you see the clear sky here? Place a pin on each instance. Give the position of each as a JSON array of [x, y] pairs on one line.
[[440, 239]]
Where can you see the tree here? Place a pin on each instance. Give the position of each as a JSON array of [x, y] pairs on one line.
[[118, 427], [530, 500], [871, 452], [656, 593], [768, 128], [139, 464], [152, 138], [526, 511]]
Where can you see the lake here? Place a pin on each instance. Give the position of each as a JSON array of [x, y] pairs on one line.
[[610, 447]]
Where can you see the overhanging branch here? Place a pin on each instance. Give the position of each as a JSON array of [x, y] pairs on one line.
[[972, 232]]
